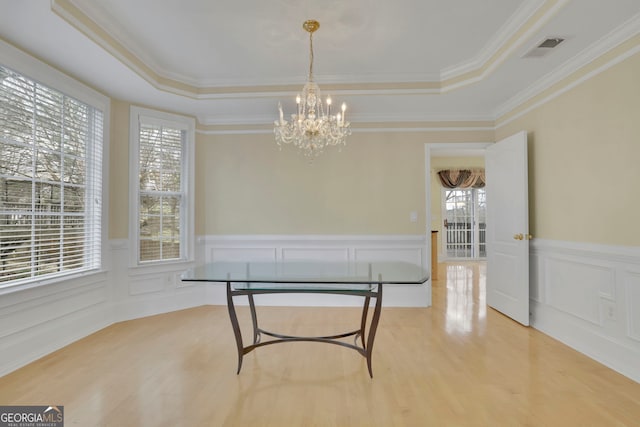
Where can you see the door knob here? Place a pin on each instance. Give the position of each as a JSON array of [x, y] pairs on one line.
[[529, 236], [518, 236]]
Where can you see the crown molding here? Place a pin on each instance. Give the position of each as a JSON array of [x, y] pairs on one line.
[[623, 33], [546, 11], [355, 130], [438, 124], [206, 120], [529, 17], [508, 31]]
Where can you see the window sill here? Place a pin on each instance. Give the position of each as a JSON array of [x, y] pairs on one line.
[[32, 284], [160, 267]]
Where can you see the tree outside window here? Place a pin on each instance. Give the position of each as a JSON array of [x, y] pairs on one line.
[[50, 152]]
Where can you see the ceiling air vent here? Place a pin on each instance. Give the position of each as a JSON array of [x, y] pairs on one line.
[[543, 48]]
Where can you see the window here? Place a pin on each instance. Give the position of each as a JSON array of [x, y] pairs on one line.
[[50, 181], [161, 186]]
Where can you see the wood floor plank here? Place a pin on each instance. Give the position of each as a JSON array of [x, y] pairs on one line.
[[457, 363]]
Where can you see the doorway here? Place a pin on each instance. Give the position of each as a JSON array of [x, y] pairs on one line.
[[464, 212], [434, 152], [507, 162]]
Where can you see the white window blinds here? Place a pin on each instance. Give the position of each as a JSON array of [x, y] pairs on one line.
[[161, 191], [50, 181]]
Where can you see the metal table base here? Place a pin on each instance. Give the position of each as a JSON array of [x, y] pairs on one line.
[[365, 348]]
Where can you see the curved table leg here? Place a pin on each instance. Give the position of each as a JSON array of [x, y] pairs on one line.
[[373, 328], [235, 325], [363, 322], [254, 319]]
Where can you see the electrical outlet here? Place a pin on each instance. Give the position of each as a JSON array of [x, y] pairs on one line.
[[609, 310]]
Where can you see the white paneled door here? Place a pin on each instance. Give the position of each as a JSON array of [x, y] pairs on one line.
[[508, 227]]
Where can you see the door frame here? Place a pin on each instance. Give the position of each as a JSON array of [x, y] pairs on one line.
[[429, 150]]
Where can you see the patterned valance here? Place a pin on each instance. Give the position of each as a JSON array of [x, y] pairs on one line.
[[462, 178]]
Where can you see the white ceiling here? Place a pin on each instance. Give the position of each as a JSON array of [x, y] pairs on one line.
[[229, 62]]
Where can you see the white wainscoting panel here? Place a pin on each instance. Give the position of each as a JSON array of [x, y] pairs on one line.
[[398, 295], [535, 293], [149, 290], [241, 254], [41, 319], [575, 286], [632, 292], [326, 254], [148, 285], [588, 297], [322, 248], [413, 255]]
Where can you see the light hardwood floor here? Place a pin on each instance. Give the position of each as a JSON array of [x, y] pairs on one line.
[[457, 363]]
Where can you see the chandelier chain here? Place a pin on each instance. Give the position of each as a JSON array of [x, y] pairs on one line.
[[310, 56]]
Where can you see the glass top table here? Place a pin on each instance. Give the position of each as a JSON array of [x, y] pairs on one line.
[[364, 279], [341, 275]]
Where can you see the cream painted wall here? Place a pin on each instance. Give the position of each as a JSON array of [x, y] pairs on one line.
[[245, 185], [584, 160], [119, 170], [437, 164]]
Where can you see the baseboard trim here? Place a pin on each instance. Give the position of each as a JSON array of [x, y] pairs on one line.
[[20, 349], [600, 348]]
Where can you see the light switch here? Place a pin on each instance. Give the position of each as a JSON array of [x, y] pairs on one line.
[[413, 216]]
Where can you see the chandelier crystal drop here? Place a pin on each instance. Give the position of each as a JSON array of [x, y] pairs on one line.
[[313, 127]]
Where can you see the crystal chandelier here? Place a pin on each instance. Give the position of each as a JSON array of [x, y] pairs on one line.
[[313, 127]]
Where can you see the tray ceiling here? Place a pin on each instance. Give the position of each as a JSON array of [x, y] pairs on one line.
[[230, 62]]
